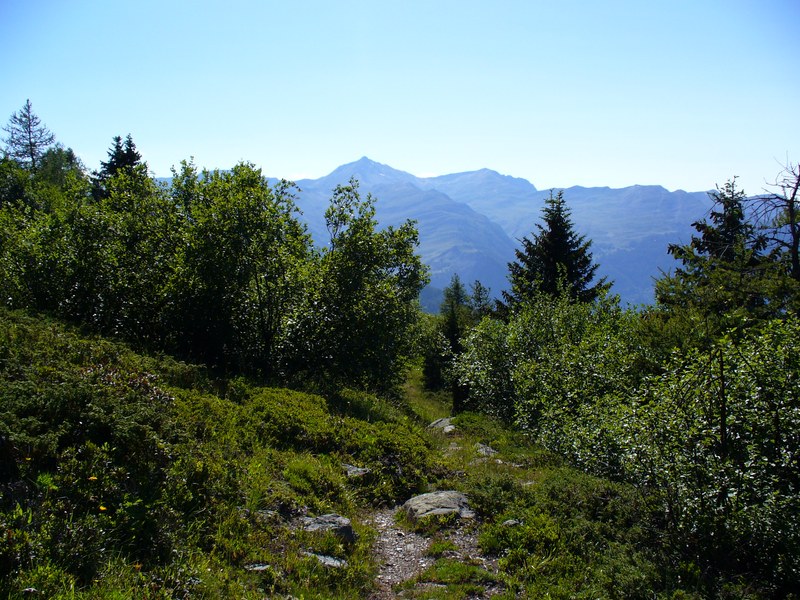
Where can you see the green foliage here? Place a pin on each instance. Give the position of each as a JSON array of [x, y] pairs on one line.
[[448, 578], [216, 268], [724, 270], [27, 137], [121, 474], [439, 547], [238, 270], [550, 359], [575, 536], [709, 432], [356, 322], [121, 158], [716, 435], [485, 367], [458, 313]]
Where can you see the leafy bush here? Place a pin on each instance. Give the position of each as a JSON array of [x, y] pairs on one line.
[[718, 436]]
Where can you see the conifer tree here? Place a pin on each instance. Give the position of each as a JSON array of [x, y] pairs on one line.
[[555, 261], [724, 267], [27, 137], [122, 156]]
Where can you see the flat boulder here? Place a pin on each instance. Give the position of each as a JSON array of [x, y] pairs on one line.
[[337, 524], [354, 471], [438, 503]]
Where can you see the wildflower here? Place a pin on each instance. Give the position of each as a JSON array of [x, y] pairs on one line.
[[92, 478], [102, 508]]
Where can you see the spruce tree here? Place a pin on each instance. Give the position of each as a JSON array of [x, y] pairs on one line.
[[724, 268], [555, 261], [122, 156]]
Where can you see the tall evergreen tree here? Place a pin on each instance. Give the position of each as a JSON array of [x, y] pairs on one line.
[[480, 301], [27, 137], [557, 260], [122, 156]]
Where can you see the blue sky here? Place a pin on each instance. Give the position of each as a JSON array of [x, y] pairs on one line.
[[685, 94]]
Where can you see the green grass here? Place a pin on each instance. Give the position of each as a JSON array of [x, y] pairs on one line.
[[426, 406], [439, 546], [449, 579]]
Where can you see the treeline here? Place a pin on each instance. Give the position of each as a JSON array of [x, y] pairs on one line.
[[215, 267], [694, 400]]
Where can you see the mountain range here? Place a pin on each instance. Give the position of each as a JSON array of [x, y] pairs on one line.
[[470, 223]]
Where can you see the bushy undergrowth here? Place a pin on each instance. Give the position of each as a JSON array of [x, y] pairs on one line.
[[130, 476], [709, 429], [122, 472]]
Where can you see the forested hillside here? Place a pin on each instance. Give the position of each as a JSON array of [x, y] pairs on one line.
[[186, 375]]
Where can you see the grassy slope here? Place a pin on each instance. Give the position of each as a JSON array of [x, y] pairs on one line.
[[123, 475]]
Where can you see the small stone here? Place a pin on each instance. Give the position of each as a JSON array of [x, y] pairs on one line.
[[485, 450], [353, 471], [512, 523], [265, 516], [258, 567], [328, 561], [445, 424]]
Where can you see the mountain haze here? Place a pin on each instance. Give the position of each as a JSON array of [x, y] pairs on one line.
[[470, 223]]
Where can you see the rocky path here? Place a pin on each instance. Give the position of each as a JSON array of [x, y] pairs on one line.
[[400, 553], [403, 555]]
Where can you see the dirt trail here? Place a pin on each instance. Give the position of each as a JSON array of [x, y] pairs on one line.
[[400, 553]]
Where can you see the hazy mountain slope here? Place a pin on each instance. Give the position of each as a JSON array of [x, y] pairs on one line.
[[454, 238], [470, 222], [630, 227], [502, 198]]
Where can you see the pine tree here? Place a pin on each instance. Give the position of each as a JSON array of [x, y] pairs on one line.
[[27, 137], [122, 156], [724, 268], [556, 261]]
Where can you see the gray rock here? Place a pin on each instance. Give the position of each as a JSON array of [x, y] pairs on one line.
[[485, 450], [328, 561], [438, 503], [266, 516], [512, 523], [257, 567], [339, 525], [353, 471], [445, 425]]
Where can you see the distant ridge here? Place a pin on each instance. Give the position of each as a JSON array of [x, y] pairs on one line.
[[471, 222]]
